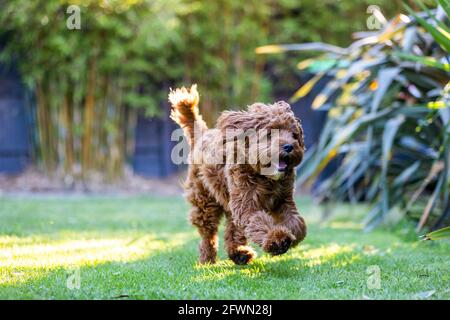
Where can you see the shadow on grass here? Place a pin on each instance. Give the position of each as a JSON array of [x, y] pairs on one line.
[[297, 262]]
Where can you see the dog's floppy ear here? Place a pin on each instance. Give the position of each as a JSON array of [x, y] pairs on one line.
[[287, 109], [300, 136]]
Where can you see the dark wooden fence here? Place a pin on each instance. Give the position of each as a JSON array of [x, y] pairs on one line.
[[153, 146], [14, 127]]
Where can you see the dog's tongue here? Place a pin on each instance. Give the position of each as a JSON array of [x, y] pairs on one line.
[[281, 165]]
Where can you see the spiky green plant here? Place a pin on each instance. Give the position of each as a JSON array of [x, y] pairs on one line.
[[388, 117]]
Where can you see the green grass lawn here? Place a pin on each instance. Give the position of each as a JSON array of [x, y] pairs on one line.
[[144, 248]]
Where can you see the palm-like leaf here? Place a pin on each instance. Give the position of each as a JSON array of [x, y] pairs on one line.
[[388, 118], [443, 233]]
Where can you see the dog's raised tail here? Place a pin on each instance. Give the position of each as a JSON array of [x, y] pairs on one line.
[[185, 111]]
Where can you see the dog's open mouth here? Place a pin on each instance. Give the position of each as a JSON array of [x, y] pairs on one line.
[[282, 166]]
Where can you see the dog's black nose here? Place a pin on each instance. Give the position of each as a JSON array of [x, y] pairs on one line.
[[288, 147]]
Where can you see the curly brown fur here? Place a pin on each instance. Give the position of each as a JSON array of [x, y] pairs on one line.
[[258, 207]]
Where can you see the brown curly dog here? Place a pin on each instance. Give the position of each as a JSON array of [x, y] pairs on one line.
[[258, 207]]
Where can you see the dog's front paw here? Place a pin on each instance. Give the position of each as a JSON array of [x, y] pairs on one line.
[[278, 241], [242, 255]]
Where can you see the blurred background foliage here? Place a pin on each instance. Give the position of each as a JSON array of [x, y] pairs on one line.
[[388, 127], [88, 84], [386, 91]]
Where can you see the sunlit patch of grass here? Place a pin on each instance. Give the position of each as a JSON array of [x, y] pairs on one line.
[[324, 253], [345, 225], [21, 259]]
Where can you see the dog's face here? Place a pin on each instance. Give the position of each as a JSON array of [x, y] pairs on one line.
[[279, 134]]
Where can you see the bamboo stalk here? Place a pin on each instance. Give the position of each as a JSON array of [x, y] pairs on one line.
[[43, 154], [52, 121], [47, 151], [88, 118], [116, 148], [68, 124], [101, 134]]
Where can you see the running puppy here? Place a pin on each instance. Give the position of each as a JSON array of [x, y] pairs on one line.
[[255, 197]]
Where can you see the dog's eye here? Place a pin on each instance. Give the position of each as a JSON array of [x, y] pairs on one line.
[[295, 135]]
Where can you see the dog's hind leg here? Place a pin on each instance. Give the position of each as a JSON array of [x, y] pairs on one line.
[[236, 244], [207, 219]]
